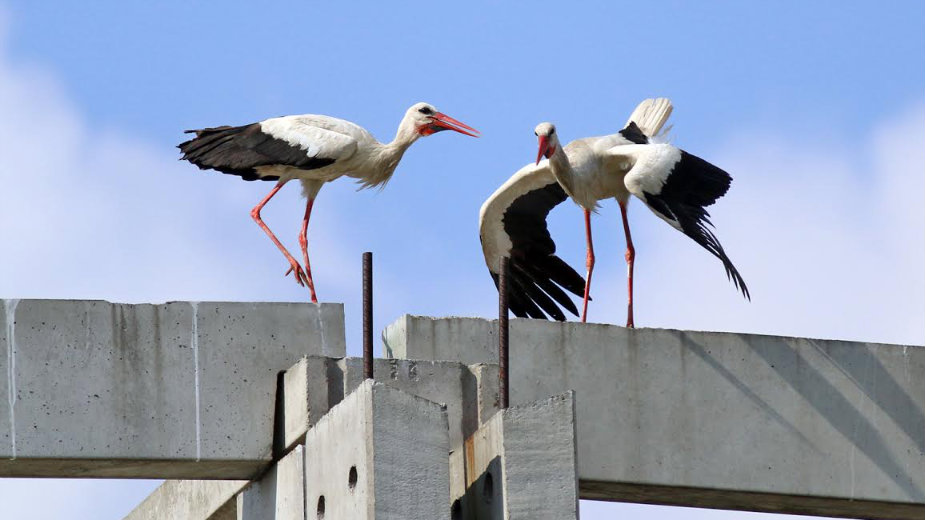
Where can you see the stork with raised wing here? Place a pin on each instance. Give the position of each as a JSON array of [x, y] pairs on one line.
[[675, 185], [314, 149]]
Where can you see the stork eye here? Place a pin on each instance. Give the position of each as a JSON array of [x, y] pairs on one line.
[[552, 131], [426, 111]]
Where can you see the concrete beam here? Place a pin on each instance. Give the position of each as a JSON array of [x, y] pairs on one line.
[[729, 421], [178, 390], [190, 500], [522, 464], [379, 454]]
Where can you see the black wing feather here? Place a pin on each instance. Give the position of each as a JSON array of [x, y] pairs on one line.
[[692, 185], [537, 272], [239, 150]]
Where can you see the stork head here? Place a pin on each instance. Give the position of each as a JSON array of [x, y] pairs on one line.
[[549, 141], [428, 120]]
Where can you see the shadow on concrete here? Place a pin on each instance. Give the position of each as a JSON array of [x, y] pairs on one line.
[[708, 358], [831, 404], [867, 372]]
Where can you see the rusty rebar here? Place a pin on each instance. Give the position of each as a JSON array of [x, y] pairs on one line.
[[368, 315], [503, 374]]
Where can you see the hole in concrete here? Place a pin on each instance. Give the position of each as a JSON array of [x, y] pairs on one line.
[[352, 478], [456, 510], [488, 487], [321, 506]]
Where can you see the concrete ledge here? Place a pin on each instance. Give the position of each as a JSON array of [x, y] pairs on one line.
[[190, 500], [178, 390], [809, 426]]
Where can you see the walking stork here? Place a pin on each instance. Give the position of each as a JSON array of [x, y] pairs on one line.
[[314, 149], [675, 185]]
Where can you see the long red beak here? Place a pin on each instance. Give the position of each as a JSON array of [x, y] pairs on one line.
[[445, 122], [544, 144]]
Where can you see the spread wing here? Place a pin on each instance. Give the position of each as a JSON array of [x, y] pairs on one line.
[[512, 223], [678, 186]]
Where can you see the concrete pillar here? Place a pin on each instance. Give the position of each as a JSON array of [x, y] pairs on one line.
[[316, 384], [379, 454], [310, 388], [521, 464], [279, 494]]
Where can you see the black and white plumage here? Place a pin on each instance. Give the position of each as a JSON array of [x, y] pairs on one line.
[[314, 149], [675, 185]]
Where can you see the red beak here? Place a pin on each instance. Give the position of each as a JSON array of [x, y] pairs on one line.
[[445, 122], [544, 144]]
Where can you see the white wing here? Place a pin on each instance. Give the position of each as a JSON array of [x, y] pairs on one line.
[[315, 136]]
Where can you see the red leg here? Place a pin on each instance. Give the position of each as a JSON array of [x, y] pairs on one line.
[[630, 258], [294, 266], [589, 263], [303, 241]]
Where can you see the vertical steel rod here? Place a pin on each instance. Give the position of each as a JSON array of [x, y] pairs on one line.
[[503, 376], [368, 315]]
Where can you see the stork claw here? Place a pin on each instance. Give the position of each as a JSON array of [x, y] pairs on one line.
[[300, 277]]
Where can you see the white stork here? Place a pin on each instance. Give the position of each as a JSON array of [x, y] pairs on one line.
[[314, 149], [675, 185]]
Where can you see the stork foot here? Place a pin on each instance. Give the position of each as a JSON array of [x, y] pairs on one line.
[[300, 277]]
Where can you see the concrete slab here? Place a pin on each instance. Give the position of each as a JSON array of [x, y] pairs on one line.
[[379, 454], [190, 500], [733, 421], [522, 464], [178, 390]]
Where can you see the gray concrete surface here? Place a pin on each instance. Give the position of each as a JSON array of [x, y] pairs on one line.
[[733, 421], [190, 500], [310, 388], [379, 454], [315, 384], [279, 494], [522, 464], [178, 390]]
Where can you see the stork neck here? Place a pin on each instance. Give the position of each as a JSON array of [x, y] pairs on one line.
[[562, 169], [404, 137], [388, 155]]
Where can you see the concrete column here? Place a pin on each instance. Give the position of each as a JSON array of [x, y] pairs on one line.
[[315, 384], [379, 454], [521, 464], [279, 494], [310, 388]]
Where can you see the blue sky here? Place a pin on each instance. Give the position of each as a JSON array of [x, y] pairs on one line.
[[815, 108]]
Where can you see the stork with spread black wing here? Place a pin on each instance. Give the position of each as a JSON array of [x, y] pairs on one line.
[[512, 222]]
